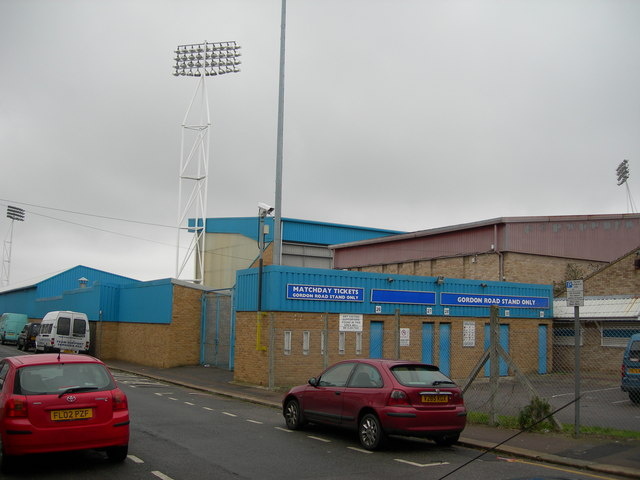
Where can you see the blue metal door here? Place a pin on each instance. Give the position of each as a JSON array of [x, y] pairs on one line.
[[542, 349], [427, 342], [376, 338], [444, 348]]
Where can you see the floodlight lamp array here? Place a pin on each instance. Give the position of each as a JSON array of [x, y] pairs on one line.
[[623, 172], [15, 213], [206, 59]]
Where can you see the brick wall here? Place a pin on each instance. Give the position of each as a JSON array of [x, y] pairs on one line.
[[619, 278], [157, 345], [518, 267], [253, 364]]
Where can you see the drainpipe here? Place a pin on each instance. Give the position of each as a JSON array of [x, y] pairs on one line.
[[495, 248]]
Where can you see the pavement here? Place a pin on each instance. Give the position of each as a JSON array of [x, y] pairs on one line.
[[611, 456]]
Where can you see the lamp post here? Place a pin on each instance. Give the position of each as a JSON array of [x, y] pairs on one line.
[[15, 214], [199, 60], [277, 221]]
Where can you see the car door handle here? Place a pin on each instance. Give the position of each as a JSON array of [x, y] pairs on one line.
[[337, 393]]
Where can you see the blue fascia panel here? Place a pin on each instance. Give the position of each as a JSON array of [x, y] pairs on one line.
[[300, 231], [147, 302], [336, 291]]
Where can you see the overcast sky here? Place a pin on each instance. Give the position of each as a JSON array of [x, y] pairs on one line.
[[399, 114]]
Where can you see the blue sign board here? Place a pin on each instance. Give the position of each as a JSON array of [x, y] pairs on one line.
[[325, 293], [505, 301], [403, 296]]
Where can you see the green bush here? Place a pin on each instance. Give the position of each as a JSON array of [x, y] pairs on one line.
[[536, 416]]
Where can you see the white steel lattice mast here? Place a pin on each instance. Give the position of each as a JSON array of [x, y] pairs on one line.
[[197, 60]]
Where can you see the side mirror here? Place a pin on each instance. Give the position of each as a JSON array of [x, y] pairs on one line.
[[313, 381]]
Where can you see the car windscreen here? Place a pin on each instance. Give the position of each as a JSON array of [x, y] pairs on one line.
[[420, 376], [60, 377]]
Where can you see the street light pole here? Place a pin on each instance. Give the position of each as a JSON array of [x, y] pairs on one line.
[[277, 220], [198, 60]]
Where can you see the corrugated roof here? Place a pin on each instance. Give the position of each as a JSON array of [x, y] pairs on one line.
[[604, 308]]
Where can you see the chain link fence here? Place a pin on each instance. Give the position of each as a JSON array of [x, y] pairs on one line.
[[497, 389]]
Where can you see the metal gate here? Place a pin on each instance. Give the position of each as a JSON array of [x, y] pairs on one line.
[[217, 329]]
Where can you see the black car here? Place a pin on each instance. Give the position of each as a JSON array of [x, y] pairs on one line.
[[27, 337]]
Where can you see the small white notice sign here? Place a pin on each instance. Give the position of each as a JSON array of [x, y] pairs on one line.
[[351, 322]]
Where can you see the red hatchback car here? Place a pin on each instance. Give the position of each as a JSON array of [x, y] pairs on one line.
[[60, 402], [378, 398]]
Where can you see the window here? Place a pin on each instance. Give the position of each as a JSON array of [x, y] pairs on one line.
[[617, 337], [323, 339], [79, 327], [305, 342], [336, 376], [563, 336], [358, 343], [4, 369], [64, 326], [341, 342], [287, 342], [365, 376]]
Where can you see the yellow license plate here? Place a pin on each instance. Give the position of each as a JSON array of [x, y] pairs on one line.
[[74, 414], [634, 370], [435, 398]]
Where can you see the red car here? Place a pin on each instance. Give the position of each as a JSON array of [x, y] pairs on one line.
[[379, 398], [60, 402]]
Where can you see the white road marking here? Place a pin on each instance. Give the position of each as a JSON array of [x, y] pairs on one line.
[[318, 438], [174, 399], [135, 459], [415, 464], [207, 408], [284, 429], [361, 450], [229, 414], [189, 403], [254, 421], [161, 475]]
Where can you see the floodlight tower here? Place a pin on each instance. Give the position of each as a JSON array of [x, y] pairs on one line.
[[623, 177], [15, 214], [198, 60]]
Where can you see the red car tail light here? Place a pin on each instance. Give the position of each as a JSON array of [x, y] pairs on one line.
[[16, 407], [119, 400], [398, 397]]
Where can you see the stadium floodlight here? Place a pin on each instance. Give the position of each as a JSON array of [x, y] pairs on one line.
[[623, 172], [206, 59], [623, 176], [15, 214], [197, 60]]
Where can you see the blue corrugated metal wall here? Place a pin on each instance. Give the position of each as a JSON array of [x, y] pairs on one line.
[[68, 280], [276, 279]]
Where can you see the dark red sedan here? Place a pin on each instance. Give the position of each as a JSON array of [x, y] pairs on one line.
[[60, 402], [379, 398]]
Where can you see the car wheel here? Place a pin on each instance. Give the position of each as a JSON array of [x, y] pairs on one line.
[[19, 346], [634, 397], [370, 432], [293, 415], [447, 440], [117, 454]]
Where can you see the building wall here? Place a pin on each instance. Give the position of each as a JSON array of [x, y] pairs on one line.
[[619, 278], [253, 364], [517, 267], [225, 253], [156, 345]]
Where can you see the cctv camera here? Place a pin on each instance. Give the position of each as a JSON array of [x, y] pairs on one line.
[[267, 208]]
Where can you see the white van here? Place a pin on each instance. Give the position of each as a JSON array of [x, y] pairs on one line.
[[63, 332]]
